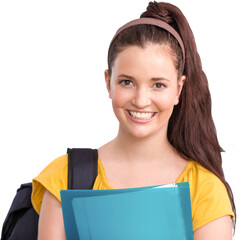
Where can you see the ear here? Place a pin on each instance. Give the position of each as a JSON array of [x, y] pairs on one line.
[[181, 82], [107, 80]]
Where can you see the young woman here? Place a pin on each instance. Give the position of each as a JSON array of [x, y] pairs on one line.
[[166, 133]]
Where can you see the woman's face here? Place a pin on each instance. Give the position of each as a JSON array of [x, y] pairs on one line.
[[144, 88]]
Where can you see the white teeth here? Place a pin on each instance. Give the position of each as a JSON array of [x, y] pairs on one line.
[[139, 115]]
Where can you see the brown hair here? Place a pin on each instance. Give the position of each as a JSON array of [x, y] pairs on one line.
[[191, 129]]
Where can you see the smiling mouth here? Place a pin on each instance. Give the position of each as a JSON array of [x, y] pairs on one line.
[[141, 115]]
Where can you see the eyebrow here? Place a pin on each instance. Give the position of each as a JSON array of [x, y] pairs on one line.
[[153, 79]]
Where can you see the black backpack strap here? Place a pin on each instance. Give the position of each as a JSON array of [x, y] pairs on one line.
[[82, 167]]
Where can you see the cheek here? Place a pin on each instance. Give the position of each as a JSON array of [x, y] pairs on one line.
[[119, 97], [165, 101]]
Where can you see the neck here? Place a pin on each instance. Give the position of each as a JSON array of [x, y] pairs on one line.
[[135, 150]]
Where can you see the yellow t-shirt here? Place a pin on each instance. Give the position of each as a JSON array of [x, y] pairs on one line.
[[209, 198]]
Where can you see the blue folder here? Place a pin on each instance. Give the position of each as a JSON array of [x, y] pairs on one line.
[[147, 213]]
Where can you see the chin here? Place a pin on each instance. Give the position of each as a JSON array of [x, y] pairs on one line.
[[140, 133], [128, 128]]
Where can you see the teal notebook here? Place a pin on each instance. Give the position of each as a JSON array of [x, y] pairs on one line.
[[153, 213]]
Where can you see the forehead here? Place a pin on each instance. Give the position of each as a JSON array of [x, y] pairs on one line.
[[152, 59]]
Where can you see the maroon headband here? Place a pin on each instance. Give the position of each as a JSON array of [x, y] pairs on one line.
[[155, 22]]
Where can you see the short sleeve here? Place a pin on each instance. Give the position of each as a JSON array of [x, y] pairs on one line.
[[210, 201], [53, 178]]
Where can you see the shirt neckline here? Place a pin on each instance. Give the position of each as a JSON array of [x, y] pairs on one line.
[[105, 183]]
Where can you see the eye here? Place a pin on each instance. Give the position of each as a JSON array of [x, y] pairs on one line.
[[159, 85], [126, 83]]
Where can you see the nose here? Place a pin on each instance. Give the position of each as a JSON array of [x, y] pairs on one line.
[[141, 98]]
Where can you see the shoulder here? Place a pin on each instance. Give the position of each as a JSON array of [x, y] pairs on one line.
[[55, 173], [209, 197], [55, 167], [53, 178], [198, 176], [202, 181]]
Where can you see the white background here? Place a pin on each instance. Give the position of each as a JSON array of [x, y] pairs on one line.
[[52, 92]]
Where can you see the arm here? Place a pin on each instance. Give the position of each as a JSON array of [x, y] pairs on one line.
[[51, 225], [219, 229]]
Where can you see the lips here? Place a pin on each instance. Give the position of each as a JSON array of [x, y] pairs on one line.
[[141, 117]]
